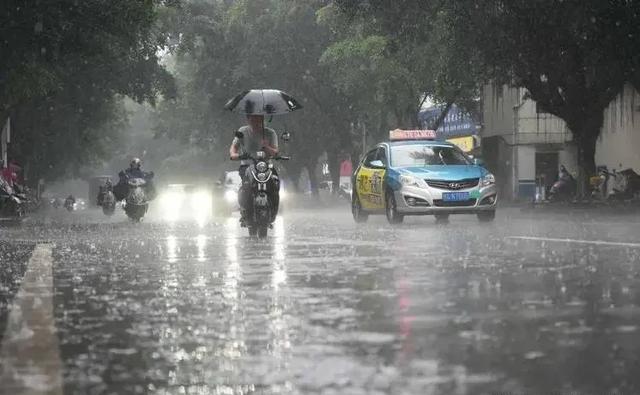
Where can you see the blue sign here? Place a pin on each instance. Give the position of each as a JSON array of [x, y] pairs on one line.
[[457, 123]]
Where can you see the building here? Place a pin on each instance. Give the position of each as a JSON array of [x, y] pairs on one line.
[[619, 144], [458, 126], [524, 146]]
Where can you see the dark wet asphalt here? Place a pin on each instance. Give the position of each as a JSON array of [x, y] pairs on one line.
[[324, 306]]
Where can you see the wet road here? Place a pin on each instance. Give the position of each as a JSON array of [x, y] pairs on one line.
[[526, 305]]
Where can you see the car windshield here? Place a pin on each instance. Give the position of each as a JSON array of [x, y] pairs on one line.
[[426, 155]]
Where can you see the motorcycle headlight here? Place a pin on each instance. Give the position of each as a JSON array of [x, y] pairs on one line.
[[262, 167], [262, 177], [410, 181], [489, 179]]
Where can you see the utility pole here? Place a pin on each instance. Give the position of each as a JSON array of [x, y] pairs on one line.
[[364, 139], [5, 139]]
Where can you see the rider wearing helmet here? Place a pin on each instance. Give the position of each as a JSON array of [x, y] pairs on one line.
[[134, 171]]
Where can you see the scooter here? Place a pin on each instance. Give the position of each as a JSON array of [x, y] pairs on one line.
[[263, 184], [12, 204], [69, 204], [626, 184], [107, 199], [563, 190], [136, 203]]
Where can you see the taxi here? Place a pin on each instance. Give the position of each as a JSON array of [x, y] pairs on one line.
[[414, 174]]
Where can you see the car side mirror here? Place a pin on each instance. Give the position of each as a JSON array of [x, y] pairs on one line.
[[478, 162], [377, 164], [286, 136]]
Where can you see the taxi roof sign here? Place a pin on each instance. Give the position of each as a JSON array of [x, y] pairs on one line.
[[399, 134]]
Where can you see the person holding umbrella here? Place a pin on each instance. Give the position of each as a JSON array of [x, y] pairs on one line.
[[253, 137]]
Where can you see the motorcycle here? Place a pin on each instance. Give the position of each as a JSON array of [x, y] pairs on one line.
[[12, 204], [137, 200], [107, 200], [564, 189], [626, 184], [263, 185], [70, 205], [108, 203]]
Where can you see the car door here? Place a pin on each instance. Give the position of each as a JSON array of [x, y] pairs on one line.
[[369, 180]]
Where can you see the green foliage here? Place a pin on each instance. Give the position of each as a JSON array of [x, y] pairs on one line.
[[63, 66], [573, 56]]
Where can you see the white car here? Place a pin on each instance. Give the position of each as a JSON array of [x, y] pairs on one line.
[[180, 202]]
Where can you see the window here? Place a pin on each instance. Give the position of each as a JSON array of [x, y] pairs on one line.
[[370, 157], [382, 155], [427, 155]]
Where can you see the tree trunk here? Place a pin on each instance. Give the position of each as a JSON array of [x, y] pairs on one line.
[[334, 171], [294, 171], [311, 164], [313, 180], [585, 134]]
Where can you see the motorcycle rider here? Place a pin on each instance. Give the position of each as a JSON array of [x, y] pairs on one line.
[[248, 140], [103, 191], [134, 171], [70, 201]]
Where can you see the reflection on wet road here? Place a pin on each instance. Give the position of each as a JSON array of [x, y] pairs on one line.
[[324, 306]]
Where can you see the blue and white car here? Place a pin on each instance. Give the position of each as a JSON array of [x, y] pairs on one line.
[[414, 174]]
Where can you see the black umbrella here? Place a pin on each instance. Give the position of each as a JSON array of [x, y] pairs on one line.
[[263, 102]]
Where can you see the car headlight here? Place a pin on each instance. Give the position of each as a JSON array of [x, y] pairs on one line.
[[262, 167], [201, 201], [410, 181], [171, 201], [489, 179]]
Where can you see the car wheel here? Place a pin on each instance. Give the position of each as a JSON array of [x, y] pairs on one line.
[[486, 216], [391, 209], [442, 218], [356, 209]]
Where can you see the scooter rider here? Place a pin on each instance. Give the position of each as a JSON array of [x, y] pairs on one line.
[[103, 191], [134, 171], [248, 140]]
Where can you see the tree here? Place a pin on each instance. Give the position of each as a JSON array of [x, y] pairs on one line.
[[573, 56], [63, 66], [421, 45], [228, 48]]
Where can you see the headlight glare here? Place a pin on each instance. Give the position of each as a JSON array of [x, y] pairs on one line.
[[230, 196]]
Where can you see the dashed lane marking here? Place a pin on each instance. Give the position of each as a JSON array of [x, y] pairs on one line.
[[29, 355]]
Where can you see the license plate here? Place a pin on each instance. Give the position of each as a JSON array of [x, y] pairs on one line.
[[455, 196]]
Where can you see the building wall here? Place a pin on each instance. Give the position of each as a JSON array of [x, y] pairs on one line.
[[498, 110], [619, 144], [512, 118]]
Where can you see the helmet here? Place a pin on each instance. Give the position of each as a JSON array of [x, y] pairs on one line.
[[136, 163]]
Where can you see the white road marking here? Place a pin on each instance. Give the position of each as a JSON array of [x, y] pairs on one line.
[[29, 355], [575, 241]]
